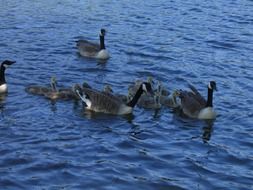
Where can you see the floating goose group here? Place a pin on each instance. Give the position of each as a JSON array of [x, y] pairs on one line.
[[141, 93]]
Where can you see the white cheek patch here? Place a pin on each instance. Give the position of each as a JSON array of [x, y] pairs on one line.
[[6, 66], [144, 88], [209, 86]]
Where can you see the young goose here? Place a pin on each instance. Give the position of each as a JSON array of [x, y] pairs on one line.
[[151, 101], [171, 100], [108, 103], [52, 92], [92, 50], [124, 98], [195, 106], [3, 84], [108, 89], [56, 94], [41, 90]]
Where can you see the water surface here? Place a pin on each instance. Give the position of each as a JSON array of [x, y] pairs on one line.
[[59, 146]]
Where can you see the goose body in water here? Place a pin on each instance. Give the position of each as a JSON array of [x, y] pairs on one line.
[[171, 100], [195, 106], [3, 84], [108, 103], [93, 50], [52, 92], [150, 101]]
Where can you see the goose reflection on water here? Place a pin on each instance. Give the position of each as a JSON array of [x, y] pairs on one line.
[[184, 122], [207, 130]]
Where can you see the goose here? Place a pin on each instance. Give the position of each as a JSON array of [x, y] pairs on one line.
[[108, 89], [52, 92], [92, 50], [3, 84], [41, 90], [162, 90], [195, 106], [132, 89], [171, 100], [108, 103], [151, 101]]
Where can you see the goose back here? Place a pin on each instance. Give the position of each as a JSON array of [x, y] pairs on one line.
[[197, 95], [190, 105], [87, 49], [104, 102]]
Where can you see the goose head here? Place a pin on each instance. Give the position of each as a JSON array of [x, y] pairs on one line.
[[147, 88], [108, 89], [102, 32], [212, 85], [86, 85], [5, 64], [53, 83], [3, 85]]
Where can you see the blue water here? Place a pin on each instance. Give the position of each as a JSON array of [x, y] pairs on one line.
[[59, 146]]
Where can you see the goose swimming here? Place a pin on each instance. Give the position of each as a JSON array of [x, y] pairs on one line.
[[52, 92], [93, 50], [195, 106], [151, 101], [171, 100], [3, 85], [108, 103]]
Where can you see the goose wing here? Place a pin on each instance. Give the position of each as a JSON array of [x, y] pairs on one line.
[[197, 95], [86, 46], [103, 102], [190, 105]]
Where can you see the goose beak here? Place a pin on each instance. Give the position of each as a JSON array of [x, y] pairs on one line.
[[12, 62]]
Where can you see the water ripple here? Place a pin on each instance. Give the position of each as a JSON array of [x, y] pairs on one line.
[[46, 145]]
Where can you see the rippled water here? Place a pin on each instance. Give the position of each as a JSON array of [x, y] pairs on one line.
[[58, 146]]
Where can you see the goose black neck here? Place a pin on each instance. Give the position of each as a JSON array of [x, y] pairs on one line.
[[209, 102], [102, 42], [2, 75], [136, 97]]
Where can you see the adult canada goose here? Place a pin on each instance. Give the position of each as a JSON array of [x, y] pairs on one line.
[[92, 50], [3, 84], [195, 106], [108, 103]]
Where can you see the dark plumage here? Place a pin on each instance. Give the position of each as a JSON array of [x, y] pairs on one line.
[[195, 106]]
